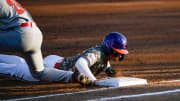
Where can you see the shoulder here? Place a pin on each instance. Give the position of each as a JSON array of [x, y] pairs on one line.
[[97, 51], [94, 54]]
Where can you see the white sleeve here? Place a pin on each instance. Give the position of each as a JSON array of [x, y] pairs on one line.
[[82, 66], [108, 66]]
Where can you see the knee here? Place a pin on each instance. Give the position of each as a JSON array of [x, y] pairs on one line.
[[37, 75]]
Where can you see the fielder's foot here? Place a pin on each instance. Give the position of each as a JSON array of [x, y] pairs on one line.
[[83, 79]]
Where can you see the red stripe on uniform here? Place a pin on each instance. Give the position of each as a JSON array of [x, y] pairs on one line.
[[56, 65], [27, 24]]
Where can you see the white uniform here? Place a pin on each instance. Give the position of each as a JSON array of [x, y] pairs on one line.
[[16, 67], [18, 32]]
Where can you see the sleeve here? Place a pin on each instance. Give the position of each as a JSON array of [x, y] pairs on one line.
[[109, 71], [82, 66], [108, 66]]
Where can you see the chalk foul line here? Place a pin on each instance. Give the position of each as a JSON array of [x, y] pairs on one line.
[[135, 95], [101, 89], [60, 94]]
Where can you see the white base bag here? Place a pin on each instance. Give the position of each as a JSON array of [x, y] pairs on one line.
[[120, 82]]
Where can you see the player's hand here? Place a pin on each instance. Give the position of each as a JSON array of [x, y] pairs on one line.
[[110, 72]]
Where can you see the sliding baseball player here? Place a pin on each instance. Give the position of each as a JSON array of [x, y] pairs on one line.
[[90, 62]]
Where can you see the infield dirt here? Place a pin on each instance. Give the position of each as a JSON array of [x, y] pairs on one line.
[[152, 28]]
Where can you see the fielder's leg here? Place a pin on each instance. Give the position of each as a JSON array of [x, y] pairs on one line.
[[27, 40], [31, 44]]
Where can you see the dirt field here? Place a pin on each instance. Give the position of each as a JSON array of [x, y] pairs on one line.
[[152, 28]]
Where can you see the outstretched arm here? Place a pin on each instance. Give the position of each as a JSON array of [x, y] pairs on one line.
[[82, 66], [109, 71]]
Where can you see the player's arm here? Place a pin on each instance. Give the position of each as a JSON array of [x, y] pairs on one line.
[[109, 71], [82, 65]]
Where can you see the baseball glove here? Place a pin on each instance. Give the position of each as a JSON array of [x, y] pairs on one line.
[[112, 73]]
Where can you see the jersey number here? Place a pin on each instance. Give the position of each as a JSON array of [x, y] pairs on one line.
[[19, 9]]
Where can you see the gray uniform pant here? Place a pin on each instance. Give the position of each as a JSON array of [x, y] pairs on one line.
[[28, 40]]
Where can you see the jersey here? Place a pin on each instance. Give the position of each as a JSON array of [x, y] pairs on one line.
[[16, 67], [12, 14], [19, 33], [94, 55]]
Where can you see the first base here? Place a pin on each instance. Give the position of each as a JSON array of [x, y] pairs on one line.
[[120, 82]]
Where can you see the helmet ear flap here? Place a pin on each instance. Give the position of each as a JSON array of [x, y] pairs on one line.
[[107, 47]]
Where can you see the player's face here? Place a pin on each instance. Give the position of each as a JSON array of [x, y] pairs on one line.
[[116, 56]]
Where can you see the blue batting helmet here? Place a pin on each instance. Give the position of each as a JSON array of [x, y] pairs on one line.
[[115, 41]]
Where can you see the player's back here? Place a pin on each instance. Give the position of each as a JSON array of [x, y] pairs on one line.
[[12, 14]]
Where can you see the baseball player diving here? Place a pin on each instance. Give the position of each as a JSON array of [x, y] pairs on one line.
[[19, 33], [90, 62]]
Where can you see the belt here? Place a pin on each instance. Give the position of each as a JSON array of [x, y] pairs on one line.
[[26, 24]]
